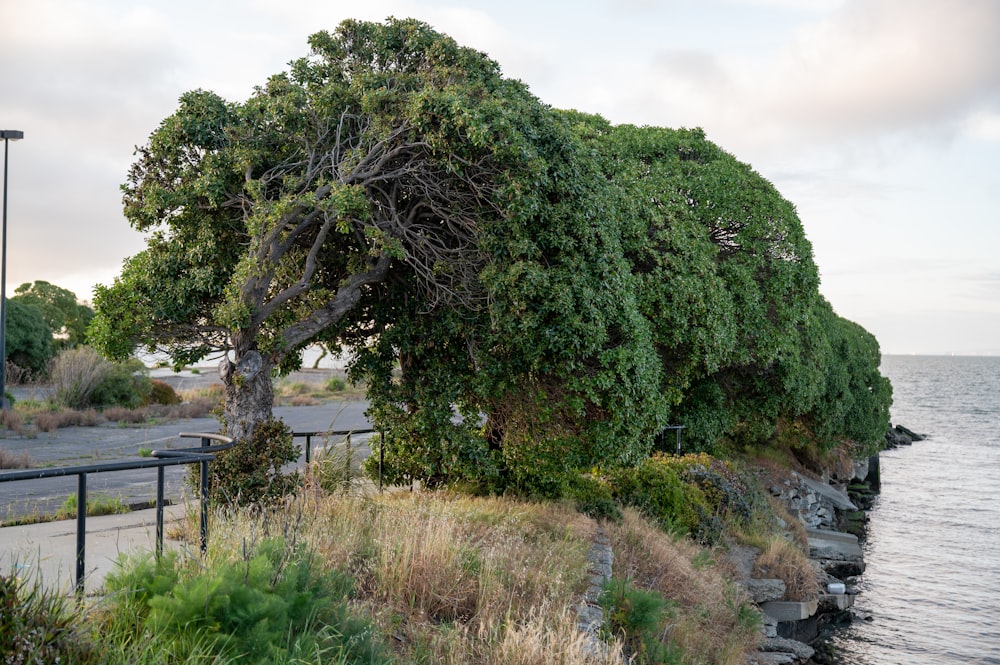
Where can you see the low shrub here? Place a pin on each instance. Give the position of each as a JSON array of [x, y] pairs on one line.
[[120, 414], [657, 488], [336, 384], [694, 494], [250, 473], [125, 384], [50, 421], [594, 497], [81, 378], [38, 626], [275, 603], [637, 617], [12, 420], [161, 392]]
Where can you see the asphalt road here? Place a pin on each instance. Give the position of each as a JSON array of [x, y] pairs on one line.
[[110, 443]]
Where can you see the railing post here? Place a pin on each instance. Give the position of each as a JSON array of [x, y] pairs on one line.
[[347, 463], [381, 458], [678, 441], [81, 532], [204, 498], [308, 448], [159, 512]]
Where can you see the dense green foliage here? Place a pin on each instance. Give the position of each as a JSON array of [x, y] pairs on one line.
[[29, 339], [42, 319], [251, 473], [694, 495], [64, 315], [525, 292]]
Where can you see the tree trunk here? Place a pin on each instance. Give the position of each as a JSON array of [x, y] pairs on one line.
[[249, 393]]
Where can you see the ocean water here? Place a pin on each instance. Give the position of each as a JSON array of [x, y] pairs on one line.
[[932, 584]]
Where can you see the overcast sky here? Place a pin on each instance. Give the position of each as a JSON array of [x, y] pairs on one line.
[[878, 119]]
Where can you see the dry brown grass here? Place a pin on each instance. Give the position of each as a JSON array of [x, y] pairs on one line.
[[713, 622], [452, 579], [120, 414], [50, 421], [458, 580], [785, 560], [9, 460], [12, 420]]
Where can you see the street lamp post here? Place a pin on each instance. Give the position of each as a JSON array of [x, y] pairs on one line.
[[7, 135]]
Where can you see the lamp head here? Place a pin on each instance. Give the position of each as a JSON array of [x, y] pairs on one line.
[[11, 134]]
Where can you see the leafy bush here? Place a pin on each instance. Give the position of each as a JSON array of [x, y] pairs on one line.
[[658, 489], [274, 605], [694, 494], [125, 384], [162, 393], [250, 473], [594, 497], [335, 384]]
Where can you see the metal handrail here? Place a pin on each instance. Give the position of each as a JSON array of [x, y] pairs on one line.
[[81, 471], [201, 455]]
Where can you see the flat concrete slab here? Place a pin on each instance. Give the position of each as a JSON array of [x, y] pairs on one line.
[[833, 545], [47, 551], [789, 610]]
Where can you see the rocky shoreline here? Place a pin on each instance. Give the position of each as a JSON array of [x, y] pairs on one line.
[[835, 515]]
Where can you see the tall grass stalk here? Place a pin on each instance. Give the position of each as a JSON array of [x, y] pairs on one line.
[[712, 621]]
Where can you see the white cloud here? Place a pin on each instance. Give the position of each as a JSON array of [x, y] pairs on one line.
[[984, 125], [869, 66]]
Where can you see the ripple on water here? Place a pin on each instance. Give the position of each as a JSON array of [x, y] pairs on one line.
[[933, 556]]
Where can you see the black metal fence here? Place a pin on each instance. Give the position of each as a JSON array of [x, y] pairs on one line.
[[202, 455], [661, 439]]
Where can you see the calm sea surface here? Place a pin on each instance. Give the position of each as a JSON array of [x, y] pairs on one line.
[[933, 551]]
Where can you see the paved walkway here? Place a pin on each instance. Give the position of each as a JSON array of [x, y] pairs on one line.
[[48, 550]]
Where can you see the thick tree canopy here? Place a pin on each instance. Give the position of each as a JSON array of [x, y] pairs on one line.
[[390, 166], [552, 290], [29, 339]]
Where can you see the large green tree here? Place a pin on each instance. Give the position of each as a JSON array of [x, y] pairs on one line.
[[29, 339], [65, 316], [387, 183]]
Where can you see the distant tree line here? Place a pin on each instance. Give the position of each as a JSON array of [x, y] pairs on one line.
[[42, 320], [526, 292]]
